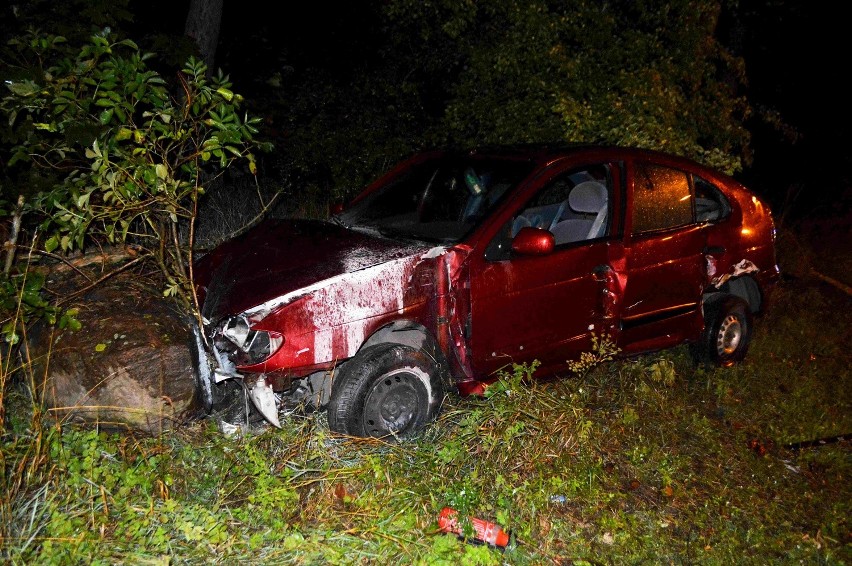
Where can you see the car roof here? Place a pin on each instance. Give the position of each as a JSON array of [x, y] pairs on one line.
[[546, 153], [538, 152]]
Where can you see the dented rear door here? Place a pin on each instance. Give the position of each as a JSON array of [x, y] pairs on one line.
[[665, 260]]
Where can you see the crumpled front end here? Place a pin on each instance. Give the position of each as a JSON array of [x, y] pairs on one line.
[[220, 350], [234, 342], [295, 341]]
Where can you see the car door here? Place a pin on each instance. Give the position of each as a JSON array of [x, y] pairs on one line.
[[664, 256], [544, 307]]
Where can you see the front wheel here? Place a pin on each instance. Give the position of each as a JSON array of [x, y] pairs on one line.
[[727, 332], [386, 390]]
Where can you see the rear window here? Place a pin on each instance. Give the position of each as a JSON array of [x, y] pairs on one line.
[[661, 198]]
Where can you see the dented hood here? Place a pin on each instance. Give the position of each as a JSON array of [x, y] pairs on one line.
[[282, 256]]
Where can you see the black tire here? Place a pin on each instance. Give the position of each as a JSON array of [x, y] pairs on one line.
[[386, 390], [727, 332]]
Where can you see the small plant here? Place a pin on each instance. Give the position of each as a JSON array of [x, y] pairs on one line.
[[22, 301], [603, 350], [629, 416], [662, 371], [512, 382]]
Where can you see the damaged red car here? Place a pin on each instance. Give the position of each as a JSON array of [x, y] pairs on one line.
[[457, 263]]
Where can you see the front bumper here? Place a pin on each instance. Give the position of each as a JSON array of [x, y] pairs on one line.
[[215, 367]]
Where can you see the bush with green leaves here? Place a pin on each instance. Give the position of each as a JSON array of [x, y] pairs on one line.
[[22, 295], [128, 153]]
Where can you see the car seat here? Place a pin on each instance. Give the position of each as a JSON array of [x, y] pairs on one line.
[[589, 200]]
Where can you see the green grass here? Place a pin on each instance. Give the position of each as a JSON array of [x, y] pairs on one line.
[[657, 462]]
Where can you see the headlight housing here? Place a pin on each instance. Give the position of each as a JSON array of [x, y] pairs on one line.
[[244, 345]]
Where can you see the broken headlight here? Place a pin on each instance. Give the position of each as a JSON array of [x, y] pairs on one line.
[[243, 344]]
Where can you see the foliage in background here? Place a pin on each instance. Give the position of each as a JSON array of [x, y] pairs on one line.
[[127, 158], [627, 73], [424, 74], [462, 73]]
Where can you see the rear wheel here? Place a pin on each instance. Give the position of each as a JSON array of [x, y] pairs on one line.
[[727, 332], [388, 389]]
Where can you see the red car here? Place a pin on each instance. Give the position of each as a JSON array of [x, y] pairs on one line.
[[455, 264]]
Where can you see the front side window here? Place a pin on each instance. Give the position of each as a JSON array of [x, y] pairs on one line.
[[574, 207], [661, 198]]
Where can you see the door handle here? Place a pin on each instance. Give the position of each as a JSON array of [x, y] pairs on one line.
[[714, 250], [602, 273]]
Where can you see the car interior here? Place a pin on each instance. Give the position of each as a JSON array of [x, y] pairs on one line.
[[582, 216]]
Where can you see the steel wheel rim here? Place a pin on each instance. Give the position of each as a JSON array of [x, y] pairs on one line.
[[392, 404], [730, 335]]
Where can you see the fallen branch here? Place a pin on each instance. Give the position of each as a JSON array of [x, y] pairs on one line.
[[817, 442], [57, 258], [831, 281], [13, 236], [101, 280]]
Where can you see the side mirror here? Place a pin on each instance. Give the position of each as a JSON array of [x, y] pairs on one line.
[[533, 241]]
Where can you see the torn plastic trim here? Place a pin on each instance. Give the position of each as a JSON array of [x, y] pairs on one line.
[[226, 369], [259, 390], [257, 387], [437, 251], [743, 267], [242, 343], [262, 395]]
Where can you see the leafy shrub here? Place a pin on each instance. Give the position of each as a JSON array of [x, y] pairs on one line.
[[135, 156]]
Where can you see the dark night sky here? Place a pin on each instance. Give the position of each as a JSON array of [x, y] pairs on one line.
[[794, 53], [795, 63]]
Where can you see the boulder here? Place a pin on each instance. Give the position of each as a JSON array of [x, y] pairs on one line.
[[131, 365]]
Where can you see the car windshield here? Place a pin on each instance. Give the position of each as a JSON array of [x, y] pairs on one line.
[[440, 200]]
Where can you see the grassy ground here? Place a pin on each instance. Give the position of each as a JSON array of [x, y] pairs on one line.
[[645, 460]]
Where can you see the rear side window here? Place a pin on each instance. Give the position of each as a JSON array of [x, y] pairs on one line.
[[661, 198], [710, 204]]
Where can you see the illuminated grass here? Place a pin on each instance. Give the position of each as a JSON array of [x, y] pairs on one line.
[[640, 461]]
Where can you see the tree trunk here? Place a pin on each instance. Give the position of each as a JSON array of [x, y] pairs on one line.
[[202, 25]]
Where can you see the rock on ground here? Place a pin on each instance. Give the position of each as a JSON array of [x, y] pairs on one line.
[[130, 366]]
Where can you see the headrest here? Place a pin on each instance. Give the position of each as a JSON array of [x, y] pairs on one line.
[[588, 196]]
